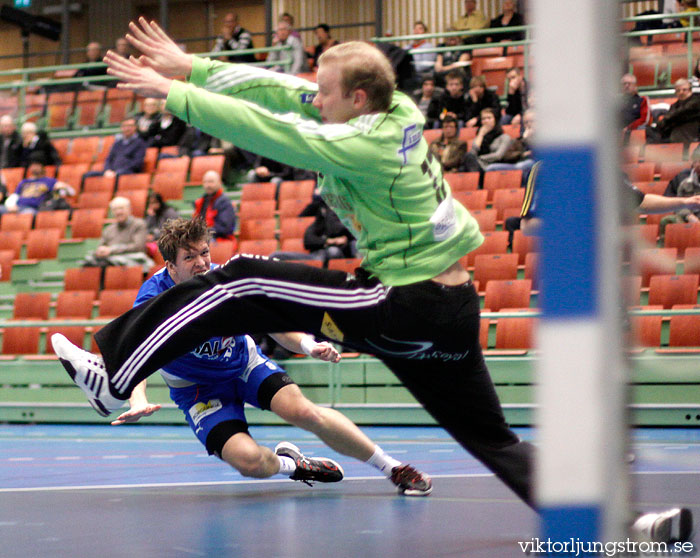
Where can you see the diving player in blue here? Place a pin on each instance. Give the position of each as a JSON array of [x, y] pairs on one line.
[[212, 383]]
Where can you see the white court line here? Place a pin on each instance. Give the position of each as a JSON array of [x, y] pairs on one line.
[[269, 481]]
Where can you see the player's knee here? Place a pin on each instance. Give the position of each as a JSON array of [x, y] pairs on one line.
[[249, 463]]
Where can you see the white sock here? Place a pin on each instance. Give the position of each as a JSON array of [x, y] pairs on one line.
[[382, 461], [287, 466]]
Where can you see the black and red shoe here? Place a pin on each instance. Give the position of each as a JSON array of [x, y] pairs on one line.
[[309, 470], [411, 481]]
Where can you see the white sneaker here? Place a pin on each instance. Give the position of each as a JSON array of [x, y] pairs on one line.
[[89, 374], [669, 526]]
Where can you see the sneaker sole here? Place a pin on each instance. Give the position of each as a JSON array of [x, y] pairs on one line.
[[412, 492]]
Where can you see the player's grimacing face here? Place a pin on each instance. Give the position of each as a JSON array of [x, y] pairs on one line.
[[191, 261], [335, 108]]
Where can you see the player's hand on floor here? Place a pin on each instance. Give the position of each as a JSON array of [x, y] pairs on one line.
[[325, 351], [135, 413]]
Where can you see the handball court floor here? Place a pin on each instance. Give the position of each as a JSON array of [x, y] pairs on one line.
[[151, 491]]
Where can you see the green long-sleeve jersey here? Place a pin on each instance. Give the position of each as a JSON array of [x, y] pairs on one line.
[[375, 171]]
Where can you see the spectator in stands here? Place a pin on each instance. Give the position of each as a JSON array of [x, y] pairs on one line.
[[33, 142], [234, 37], [326, 238], [93, 54], [128, 151], [215, 207], [508, 18], [448, 148], [423, 63], [146, 119], [681, 122], [425, 95], [325, 41], [299, 63], [35, 192], [684, 184], [519, 155], [452, 60], [289, 18], [167, 130], [490, 144], [635, 108], [122, 47], [451, 102], [479, 98], [517, 97], [269, 170], [123, 242], [194, 143], [473, 19], [10, 143], [157, 213], [689, 7]]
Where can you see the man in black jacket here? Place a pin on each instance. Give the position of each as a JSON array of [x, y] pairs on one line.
[[10, 143], [682, 121]]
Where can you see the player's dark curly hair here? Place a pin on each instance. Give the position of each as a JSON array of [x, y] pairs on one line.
[[181, 233]]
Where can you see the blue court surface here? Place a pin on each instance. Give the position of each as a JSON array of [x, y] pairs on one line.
[[151, 491]]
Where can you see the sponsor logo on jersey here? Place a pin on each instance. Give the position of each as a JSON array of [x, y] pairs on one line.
[[200, 410], [213, 349], [330, 329], [308, 98], [444, 220], [411, 138]]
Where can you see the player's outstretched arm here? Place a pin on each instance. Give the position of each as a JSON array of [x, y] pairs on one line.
[[139, 406], [158, 50], [137, 77], [303, 343]]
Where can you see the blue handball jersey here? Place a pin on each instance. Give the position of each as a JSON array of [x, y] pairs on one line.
[[219, 358]]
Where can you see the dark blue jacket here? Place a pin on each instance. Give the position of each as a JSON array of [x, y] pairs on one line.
[[126, 155]]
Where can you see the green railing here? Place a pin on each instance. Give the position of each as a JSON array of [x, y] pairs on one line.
[[25, 82]]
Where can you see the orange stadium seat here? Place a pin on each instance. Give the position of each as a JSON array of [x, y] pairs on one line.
[[462, 181], [254, 191], [291, 208], [668, 290], [6, 257], [170, 186], [11, 240], [294, 227], [57, 219], [257, 229], [684, 331], [221, 251], [42, 244], [515, 333], [258, 209], [639, 172], [495, 242], [12, 176], [20, 341], [488, 267], [259, 247], [204, 163], [88, 223], [682, 236], [472, 199], [507, 198], [523, 245], [82, 279], [21, 222], [114, 303], [530, 271], [296, 190], [119, 277], [486, 218], [31, 306], [75, 304], [669, 169], [348, 265], [138, 199], [99, 184], [74, 334], [507, 179], [136, 181], [509, 293], [646, 330]]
